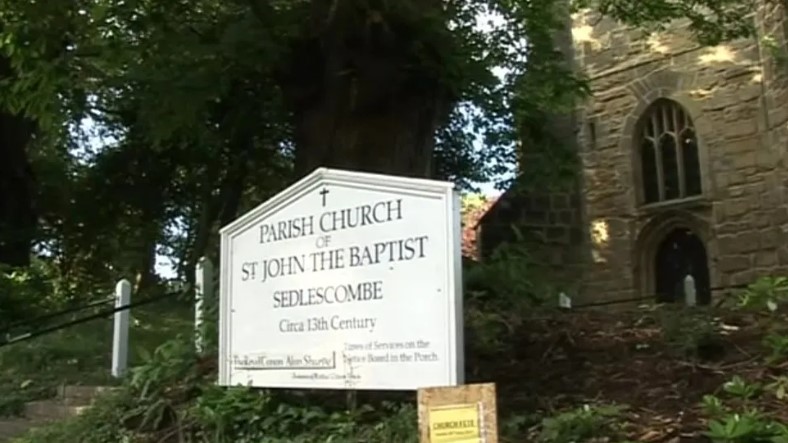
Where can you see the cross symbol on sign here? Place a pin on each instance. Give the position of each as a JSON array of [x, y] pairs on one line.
[[323, 194]]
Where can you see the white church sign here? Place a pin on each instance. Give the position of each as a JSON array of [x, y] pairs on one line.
[[345, 280]]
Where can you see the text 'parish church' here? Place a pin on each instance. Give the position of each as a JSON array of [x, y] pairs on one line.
[[682, 153]]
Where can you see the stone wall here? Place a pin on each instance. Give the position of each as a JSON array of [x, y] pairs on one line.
[[600, 234], [739, 110], [772, 21], [551, 226]]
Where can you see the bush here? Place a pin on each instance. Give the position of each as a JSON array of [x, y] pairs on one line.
[[173, 397], [691, 332], [735, 419], [502, 293], [767, 293], [736, 416], [25, 293], [582, 425], [33, 370], [511, 275], [81, 354]]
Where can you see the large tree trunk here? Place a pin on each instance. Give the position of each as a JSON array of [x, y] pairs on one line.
[[221, 207], [146, 273], [361, 98], [18, 220]]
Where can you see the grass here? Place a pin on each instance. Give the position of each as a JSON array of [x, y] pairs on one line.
[[82, 354]]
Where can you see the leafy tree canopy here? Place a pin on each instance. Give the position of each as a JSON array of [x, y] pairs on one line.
[[207, 107]]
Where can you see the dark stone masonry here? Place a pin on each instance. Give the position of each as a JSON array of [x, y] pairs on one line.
[[682, 151]]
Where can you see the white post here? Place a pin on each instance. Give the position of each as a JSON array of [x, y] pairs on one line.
[[564, 301], [203, 289], [689, 291], [120, 338]]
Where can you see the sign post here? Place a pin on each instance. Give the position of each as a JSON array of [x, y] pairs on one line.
[[344, 280], [462, 414]]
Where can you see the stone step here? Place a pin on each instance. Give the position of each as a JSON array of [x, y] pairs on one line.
[[71, 400], [11, 428], [81, 395], [51, 410]]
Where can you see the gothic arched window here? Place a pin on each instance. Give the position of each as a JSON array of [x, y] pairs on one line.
[[670, 165]]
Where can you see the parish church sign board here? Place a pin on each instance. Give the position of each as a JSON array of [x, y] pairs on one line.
[[345, 280]]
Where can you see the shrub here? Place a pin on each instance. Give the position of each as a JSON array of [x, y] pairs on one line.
[[735, 419], [766, 293], [582, 424], [691, 332], [172, 397]]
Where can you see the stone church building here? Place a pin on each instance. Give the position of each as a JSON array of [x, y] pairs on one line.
[[682, 154]]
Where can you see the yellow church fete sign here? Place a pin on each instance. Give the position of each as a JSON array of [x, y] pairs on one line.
[[458, 414], [455, 424]]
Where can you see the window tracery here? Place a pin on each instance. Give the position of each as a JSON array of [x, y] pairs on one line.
[[669, 157]]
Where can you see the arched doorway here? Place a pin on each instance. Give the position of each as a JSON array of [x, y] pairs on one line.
[[680, 253]]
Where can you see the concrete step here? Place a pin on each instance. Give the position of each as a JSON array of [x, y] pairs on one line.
[[81, 395], [70, 401], [11, 428], [51, 410]]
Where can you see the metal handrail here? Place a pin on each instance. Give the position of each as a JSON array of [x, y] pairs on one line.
[[105, 313], [42, 318]]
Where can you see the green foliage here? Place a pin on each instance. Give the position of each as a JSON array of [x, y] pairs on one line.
[[711, 21], [22, 292], [39, 289], [691, 332], [779, 387], [158, 122], [778, 347], [582, 424], [104, 422], [246, 415], [502, 292], [749, 427], [512, 274], [199, 104], [740, 421], [767, 293], [739, 388], [471, 202], [734, 416], [776, 50], [32, 370], [173, 393]]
